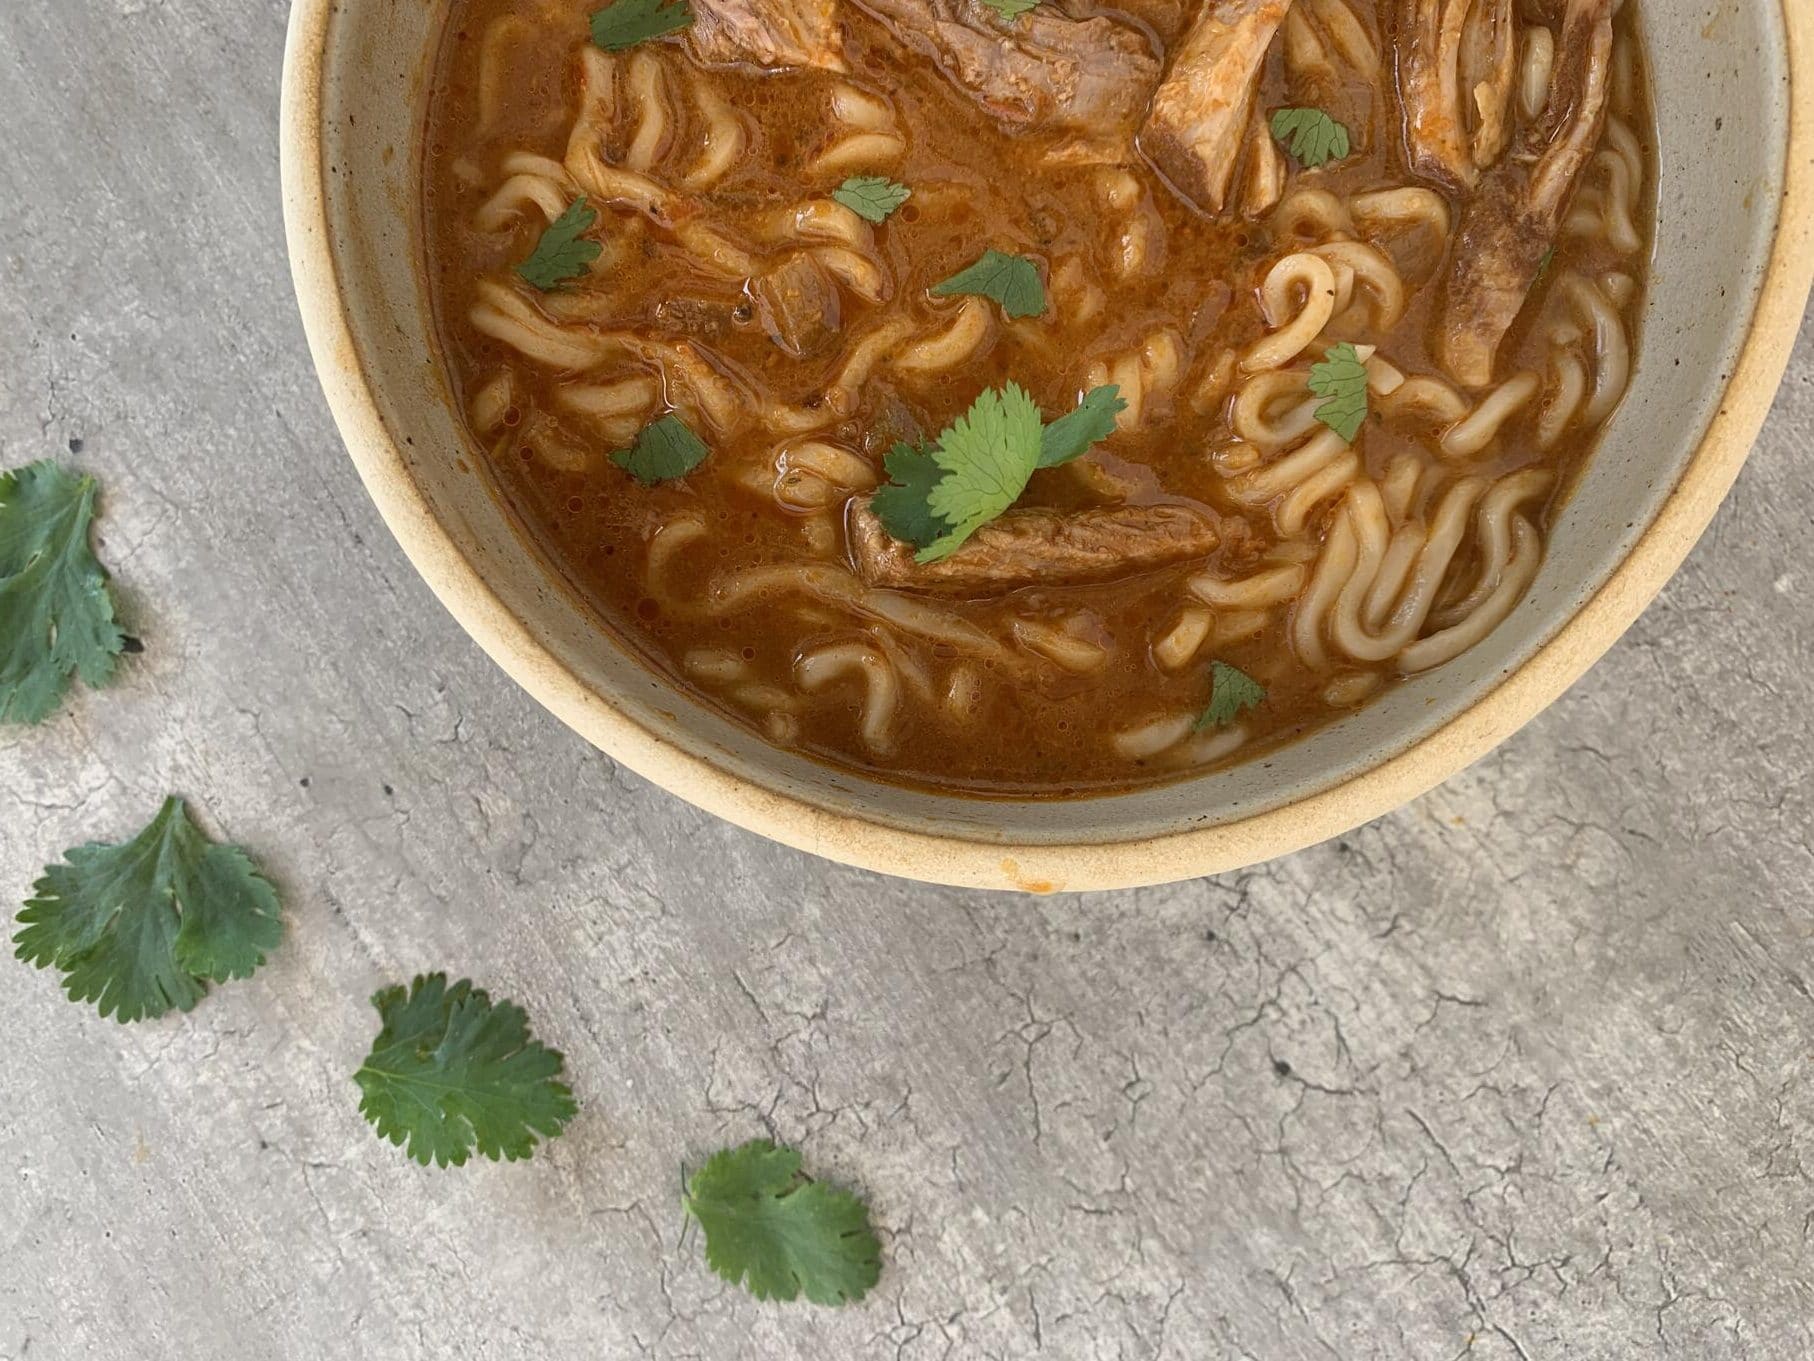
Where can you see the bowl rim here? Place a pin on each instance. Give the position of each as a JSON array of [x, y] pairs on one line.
[[937, 858]]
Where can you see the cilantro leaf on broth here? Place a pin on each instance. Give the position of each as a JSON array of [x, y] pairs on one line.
[[778, 1233], [1073, 433], [1011, 9], [940, 494], [1312, 136], [665, 449], [1011, 280], [56, 611], [452, 1072], [624, 23], [563, 253], [1231, 693], [1342, 378], [142, 926], [871, 197]]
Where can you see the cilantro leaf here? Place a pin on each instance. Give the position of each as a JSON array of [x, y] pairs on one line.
[[665, 449], [563, 253], [1011, 9], [142, 926], [56, 613], [1231, 692], [451, 1072], [1342, 378], [900, 503], [624, 23], [986, 455], [1312, 136], [1011, 280], [871, 197], [1074, 432], [779, 1234]]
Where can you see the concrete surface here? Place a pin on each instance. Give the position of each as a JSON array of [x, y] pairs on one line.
[[1520, 1072]]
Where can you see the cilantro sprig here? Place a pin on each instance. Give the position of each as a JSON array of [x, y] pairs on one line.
[[56, 611], [563, 253], [939, 495], [1011, 9], [665, 449], [1312, 136], [1231, 693], [624, 23], [452, 1072], [778, 1233], [871, 197], [141, 927], [1011, 280], [1342, 378]]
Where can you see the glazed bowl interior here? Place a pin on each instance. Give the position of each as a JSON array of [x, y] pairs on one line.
[[355, 99]]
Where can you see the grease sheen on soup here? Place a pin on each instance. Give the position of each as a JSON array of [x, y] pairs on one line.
[[1484, 240]]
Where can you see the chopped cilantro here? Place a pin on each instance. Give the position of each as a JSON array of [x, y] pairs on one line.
[[1074, 432], [778, 1233], [1312, 136], [563, 253], [664, 450], [451, 1072], [1011, 280], [1342, 378], [56, 612], [624, 23], [142, 926], [1011, 9], [1231, 693], [900, 503], [871, 197]]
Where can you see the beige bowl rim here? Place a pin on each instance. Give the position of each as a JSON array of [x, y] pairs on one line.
[[1525, 692]]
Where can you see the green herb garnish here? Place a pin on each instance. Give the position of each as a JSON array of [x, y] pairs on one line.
[[1312, 136], [1011, 9], [1011, 280], [779, 1234], [871, 197], [56, 612], [1342, 378], [1231, 693], [141, 927], [563, 253], [665, 449], [624, 23], [451, 1072]]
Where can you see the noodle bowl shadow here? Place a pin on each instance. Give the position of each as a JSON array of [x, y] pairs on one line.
[[1733, 258]]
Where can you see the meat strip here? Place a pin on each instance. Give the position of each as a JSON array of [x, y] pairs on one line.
[[1085, 78], [1202, 111], [768, 33], [1510, 223], [1038, 548], [1457, 68]]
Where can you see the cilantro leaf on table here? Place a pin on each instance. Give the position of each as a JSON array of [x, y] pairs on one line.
[[450, 1072], [871, 197], [56, 612], [1312, 136], [938, 495], [779, 1234], [1011, 9], [1072, 434], [1342, 378], [1011, 280], [665, 449], [142, 926], [1231, 693], [624, 23], [563, 253]]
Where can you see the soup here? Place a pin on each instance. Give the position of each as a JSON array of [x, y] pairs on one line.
[[1038, 400]]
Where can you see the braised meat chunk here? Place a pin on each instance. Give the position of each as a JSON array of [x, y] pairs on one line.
[[1511, 221], [768, 33], [1038, 548], [1457, 69], [1202, 112], [1086, 79]]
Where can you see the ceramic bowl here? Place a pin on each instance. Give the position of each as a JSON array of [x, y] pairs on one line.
[[1734, 251]]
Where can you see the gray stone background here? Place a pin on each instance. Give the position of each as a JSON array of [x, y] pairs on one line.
[[1519, 1072]]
